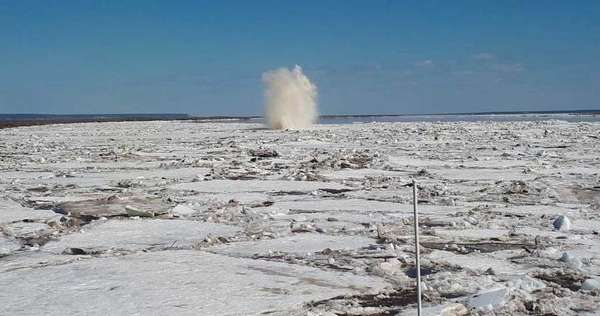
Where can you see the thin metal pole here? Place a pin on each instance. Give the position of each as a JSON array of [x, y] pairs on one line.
[[417, 254]]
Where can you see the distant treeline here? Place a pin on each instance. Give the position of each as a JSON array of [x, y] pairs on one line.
[[16, 120]]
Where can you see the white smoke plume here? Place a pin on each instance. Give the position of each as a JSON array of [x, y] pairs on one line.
[[290, 99]]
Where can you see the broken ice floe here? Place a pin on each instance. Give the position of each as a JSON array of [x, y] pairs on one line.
[[133, 235], [174, 282], [333, 200]]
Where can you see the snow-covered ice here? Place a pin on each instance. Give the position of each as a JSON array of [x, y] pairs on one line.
[[231, 218]]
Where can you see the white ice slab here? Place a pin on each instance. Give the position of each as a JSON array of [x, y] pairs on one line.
[[477, 262], [472, 234], [132, 235], [24, 229], [232, 186], [156, 173], [172, 283], [489, 299], [472, 174], [11, 211], [361, 206], [242, 197], [346, 205], [301, 244], [362, 173]]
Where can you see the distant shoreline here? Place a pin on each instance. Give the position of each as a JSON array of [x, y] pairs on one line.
[[575, 112], [17, 120]]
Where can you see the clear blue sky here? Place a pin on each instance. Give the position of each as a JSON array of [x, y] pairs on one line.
[[207, 58]]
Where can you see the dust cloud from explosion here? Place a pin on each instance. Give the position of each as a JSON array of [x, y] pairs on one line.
[[290, 99]]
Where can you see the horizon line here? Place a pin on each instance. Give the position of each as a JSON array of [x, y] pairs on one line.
[[196, 116]]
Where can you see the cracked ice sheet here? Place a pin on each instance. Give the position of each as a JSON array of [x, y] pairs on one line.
[[28, 260], [13, 212], [473, 234], [95, 179], [157, 173], [300, 244], [481, 174], [362, 206], [353, 205], [87, 180], [242, 197], [145, 146], [67, 198], [111, 165], [478, 262], [345, 174], [488, 164], [172, 282], [24, 176], [538, 210], [233, 186], [24, 229], [132, 235]]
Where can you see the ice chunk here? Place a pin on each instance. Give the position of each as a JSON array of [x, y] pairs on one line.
[[489, 299], [562, 223], [13, 212], [525, 283], [571, 260], [590, 284], [7, 246], [27, 230], [182, 210]]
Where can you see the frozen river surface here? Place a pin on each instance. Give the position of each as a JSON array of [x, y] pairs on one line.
[[184, 218]]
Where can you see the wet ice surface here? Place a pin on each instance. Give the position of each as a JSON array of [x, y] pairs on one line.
[[189, 218]]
